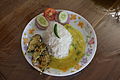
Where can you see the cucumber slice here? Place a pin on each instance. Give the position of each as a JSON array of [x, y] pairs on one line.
[[55, 31], [63, 17], [42, 21]]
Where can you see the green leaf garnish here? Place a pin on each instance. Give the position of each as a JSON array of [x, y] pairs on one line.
[[78, 52]]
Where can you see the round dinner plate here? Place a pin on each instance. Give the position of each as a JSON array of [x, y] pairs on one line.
[[79, 23]]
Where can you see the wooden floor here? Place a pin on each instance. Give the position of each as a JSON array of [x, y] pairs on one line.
[[15, 14]]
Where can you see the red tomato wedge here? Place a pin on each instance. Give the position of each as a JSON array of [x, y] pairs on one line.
[[50, 13]]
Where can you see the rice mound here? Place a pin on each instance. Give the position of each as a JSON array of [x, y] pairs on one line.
[[59, 46]]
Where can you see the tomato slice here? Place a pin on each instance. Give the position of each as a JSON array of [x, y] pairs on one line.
[[50, 13]]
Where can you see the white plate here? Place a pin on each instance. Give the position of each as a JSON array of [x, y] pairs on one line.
[[78, 22]]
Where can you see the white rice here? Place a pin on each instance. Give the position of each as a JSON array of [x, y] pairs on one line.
[[59, 46]]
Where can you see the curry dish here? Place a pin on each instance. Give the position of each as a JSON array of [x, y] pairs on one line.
[[76, 51]]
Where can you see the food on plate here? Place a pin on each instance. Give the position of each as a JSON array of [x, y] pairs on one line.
[[56, 31], [50, 14], [40, 54], [35, 41], [42, 60], [41, 22], [59, 46], [75, 53], [63, 17]]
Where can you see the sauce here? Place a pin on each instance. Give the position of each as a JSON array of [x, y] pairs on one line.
[[76, 52]]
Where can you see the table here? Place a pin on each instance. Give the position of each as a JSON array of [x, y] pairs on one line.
[[15, 14]]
